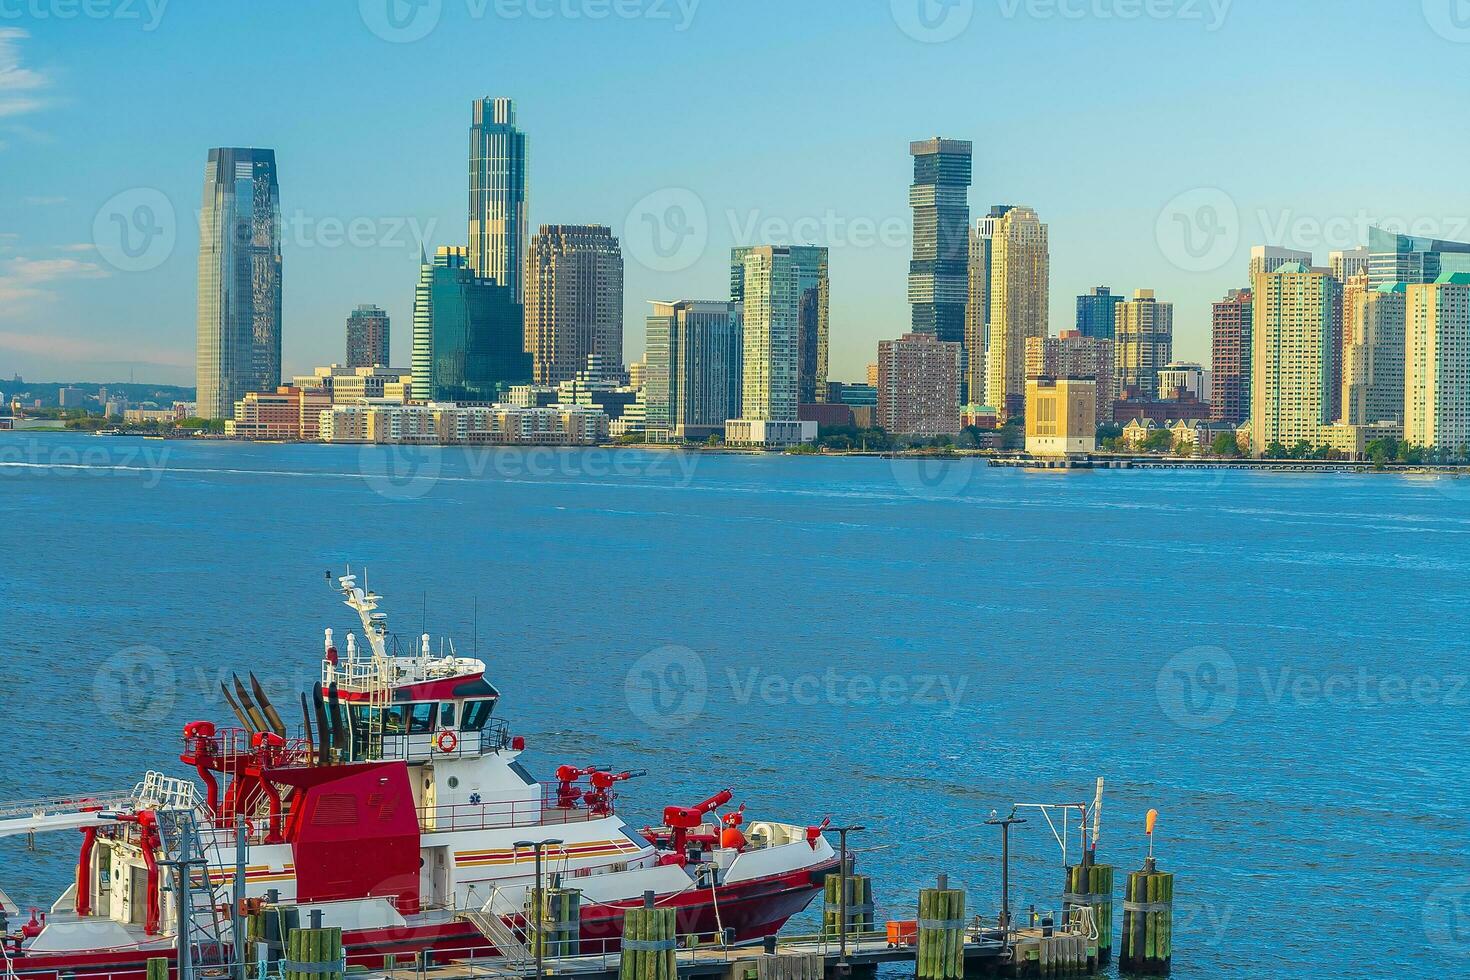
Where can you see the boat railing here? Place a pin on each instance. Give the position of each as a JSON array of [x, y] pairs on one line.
[[501, 813], [110, 800], [495, 737]]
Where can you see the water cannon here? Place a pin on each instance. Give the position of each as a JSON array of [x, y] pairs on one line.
[[568, 794], [814, 834], [731, 836], [689, 817], [599, 797]]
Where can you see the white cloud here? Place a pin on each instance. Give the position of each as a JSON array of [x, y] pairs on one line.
[[20, 87], [24, 280]]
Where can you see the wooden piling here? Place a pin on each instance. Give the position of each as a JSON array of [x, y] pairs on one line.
[[1091, 886], [859, 904], [1148, 922], [648, 951], [941, 946], [313, 954], [158, 968]]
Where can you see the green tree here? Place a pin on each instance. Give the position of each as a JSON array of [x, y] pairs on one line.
[[1225, 444], [1159, 441]]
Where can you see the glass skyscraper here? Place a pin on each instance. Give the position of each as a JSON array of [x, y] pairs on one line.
[[1404, 258], [1097, 312], [498, 228], [466, 333], [239, 311], [810, 297], [939, 273], [694, 356]]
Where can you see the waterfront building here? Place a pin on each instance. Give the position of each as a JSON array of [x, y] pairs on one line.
[[939, 271], [977, 310], [1266, 259], [769, 433], [694, 354], [287, 414], [1061, 416], [1097, 312], [1143, 343], [1230, 357], [918, 386], [1349, 263], [466, 333], [1291, 356], [451, 424], [574, 300], [239, 307], [1072, 354], [1373, 355], [497, 221], [810, 293], [1437, 364], [783, 293], [1019, 284], [1408, 259], [346, 384], [367, 337]]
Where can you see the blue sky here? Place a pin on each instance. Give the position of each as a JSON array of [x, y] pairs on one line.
[[1158, 138]]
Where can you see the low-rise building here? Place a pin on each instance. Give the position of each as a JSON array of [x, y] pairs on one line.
[[287, 414], [1061, 416], [769, 433], [451, 424]]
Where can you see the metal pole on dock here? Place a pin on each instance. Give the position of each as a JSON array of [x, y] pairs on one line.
[[237, 919], [536, 900], [842, 880], [1005, 863]]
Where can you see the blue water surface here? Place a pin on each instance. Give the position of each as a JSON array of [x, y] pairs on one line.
[[1276, 663]]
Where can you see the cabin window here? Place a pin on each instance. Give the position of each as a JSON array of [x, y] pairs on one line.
[[421, 718], [393, 720], [476, 714], [446, 714]]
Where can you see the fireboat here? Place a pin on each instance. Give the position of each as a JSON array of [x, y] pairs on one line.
[[398, 812]]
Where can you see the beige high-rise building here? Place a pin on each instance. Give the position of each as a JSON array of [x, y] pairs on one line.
[[1143, 343], [1373, 353], [1291, 360], [1020, 277], [1266, 259], [1437, 363], [1060, 416], [1347, 264], [977, 309], [574, 301]]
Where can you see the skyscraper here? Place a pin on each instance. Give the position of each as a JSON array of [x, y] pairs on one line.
[[1346, 264], [367, 337], [239, 311], [1437, 364], [938, 274], [1097, 312], [771, 290], [1373, 356], [466, 333], [498, 226], [977, 310], [1266, 259], [1291, 357], [1143, 339], [1020, 276], [694, 356], [1407, 259], [1230, 358], [574, 301], [813, 296]]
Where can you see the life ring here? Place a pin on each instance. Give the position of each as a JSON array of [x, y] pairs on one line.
[[446, 742]]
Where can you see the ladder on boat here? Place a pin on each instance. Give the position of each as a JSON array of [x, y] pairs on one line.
[[201, 902], [493, 927]]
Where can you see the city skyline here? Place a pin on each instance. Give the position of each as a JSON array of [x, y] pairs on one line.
[[78, 307]]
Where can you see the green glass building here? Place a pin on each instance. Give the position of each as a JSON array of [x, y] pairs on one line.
[[467, 333]]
